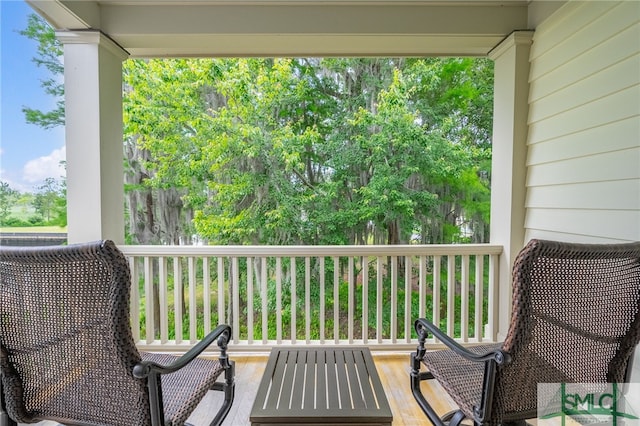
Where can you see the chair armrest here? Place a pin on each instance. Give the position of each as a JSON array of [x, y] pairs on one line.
[[222, 333], [423, 326]]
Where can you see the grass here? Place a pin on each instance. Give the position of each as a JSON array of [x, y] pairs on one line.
[[33, 229]]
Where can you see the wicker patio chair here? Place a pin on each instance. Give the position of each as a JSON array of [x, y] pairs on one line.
[[67, 353], [575, 319]]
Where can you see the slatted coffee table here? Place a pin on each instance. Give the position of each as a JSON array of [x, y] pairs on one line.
[[319, 385]]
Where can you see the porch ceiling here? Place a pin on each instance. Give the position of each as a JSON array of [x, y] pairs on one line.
[[158, 28]]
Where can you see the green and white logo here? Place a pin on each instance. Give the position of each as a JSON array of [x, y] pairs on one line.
[[616, 404]]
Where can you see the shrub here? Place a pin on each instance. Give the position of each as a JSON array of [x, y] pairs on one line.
[[15, 222], [35, 221]]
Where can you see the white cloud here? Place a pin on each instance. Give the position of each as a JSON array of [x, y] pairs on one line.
[[13, 184], [37, 170]]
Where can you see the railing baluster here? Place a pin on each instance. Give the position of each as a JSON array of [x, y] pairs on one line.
[[307, 298], [177, 299], [193, 306], [336, 300], [322, 299], [135, 299], [263, 296], [464, 299], [351, 297], [422, 290], [236, 300], [365, 299], [493, 297], [407, 298], [206, 295], [250, 300], [164, 303], [479, 321], [379, 278], [451, 294], [278, 300], [221, 303], [148, 299], [436, 289], [394, 299], [294, 300]]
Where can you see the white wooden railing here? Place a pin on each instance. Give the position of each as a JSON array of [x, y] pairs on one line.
[[326, 295]]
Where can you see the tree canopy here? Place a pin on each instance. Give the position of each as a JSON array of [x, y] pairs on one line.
[[318, 151]]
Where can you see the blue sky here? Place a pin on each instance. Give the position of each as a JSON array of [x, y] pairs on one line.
[[28, 153]]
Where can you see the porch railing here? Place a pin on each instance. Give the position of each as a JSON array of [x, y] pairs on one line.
[[324, 295]]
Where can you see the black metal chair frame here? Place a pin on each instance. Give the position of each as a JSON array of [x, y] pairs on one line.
[[148, 368], [153, 372], [620, 366], [491, 362]]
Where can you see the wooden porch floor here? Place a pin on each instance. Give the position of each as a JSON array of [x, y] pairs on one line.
[[394, 374]]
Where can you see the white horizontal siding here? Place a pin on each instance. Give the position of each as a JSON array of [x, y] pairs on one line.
[[619, 76], [583, 159], [573, 17], [592, 195], [622, 46], [614, 107], [602, 29], [586, 142], [622, 225], [616, 165]]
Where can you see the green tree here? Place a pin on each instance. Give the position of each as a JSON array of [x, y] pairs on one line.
[[49, 55], [50, 200], [163, 104], [8, 199], [289, 157], [256, 145], [59, 209], [47, 201], [401, 159], [454, 97]]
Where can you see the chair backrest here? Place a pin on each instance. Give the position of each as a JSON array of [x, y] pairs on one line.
[[575, 318], [66, 348]]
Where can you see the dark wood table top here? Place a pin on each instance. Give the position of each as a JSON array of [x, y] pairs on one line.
[[318, 385]]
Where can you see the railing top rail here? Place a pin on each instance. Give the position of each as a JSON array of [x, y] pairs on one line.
[[310, 251]]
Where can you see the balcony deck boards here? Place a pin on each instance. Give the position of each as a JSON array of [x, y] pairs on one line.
[[392, 368]]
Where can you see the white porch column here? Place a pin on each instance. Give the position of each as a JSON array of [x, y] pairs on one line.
[[508, 180], [93, 125]]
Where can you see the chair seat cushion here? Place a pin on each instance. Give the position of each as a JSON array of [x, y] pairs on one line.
[[184, 389], [514, 399], [462, 379]]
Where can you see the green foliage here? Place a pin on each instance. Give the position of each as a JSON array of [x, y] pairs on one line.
[[50, 202], [49, 55], [36, 221], [318, 151], [15, 222], [8, 198]]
